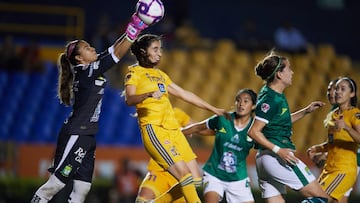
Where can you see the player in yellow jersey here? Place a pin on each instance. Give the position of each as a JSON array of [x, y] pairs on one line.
[[343, 124], [161, 186], [319, 158], [148, 89]]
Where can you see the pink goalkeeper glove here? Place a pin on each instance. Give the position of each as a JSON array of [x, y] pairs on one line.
[[135, 26]]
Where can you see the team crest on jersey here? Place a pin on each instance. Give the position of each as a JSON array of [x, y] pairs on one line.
[[265, 107], [127, 77], [161, 87], [357, 115], [235, 138]]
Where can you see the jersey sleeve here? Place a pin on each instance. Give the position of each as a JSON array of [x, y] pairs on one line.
[[356, 118], [266, 109], [131, 78], [98, 68], [212, 123], [111, 51]]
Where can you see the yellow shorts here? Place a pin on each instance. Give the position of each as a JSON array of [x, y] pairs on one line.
[[161, 183], [166, 146], [337, 183]]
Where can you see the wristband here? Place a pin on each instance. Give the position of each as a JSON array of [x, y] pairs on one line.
[[275, 149]]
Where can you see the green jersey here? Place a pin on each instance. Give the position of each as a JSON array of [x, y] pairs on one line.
[[273, 109], [231, 147]]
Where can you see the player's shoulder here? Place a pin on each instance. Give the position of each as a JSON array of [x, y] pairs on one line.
[[356, 113], [134, 67]]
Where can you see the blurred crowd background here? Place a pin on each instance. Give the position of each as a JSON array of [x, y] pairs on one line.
[[210, 48]]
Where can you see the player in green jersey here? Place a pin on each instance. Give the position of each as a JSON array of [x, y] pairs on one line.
[[276, 164], [225, 171]]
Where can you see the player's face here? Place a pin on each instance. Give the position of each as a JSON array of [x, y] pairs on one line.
[[286, 74], [154, 53], [343, 92], [87, 54], [331, 93], [244, 104]]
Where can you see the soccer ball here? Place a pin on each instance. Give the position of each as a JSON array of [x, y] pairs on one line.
[[150, 11]]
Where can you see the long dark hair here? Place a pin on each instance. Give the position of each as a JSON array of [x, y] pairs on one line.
[[139, 47], [267, 68], [66, 62]]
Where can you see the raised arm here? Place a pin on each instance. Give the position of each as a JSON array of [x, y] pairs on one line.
[[133, 29], [194, 99], [308, 109]]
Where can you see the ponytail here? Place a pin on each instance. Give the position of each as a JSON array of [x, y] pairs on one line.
[[65, 80]]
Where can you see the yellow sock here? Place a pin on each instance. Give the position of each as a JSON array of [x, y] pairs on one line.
[[140, 200], [198, 182], [164, 198], [188, 189], [173, 195], [199, 187]]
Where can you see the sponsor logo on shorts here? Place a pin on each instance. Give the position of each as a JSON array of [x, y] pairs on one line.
[[206, 184], [174, 151], [247, 183], [308, 170], [80, 152], [67, 170]]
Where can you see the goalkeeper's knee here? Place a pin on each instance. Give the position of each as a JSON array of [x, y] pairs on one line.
[[143, 200], [79, 192], [48, 190]]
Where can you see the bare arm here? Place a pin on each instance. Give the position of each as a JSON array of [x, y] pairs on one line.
[[318, 154], [255, 132], [133, 29], [199, 128], [193, 99], [121, 46], [308, 109], [132, 99], [319, 148]]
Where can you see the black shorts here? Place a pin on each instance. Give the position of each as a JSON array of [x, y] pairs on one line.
[[75, 157]]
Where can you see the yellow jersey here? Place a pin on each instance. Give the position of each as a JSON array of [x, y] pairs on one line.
[[342, 148], [152, 111]]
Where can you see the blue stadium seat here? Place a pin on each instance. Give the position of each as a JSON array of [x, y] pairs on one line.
[[41, 131], [3, 81]]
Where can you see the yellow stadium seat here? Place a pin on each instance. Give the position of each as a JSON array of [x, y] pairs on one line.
[[241, 60], [179, 57], [326, 51], [200, 57]]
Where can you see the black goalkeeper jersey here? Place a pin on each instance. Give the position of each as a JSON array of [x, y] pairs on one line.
[[88, 89]]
